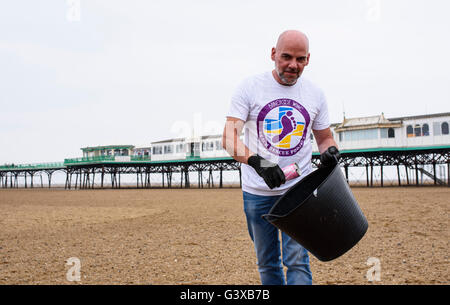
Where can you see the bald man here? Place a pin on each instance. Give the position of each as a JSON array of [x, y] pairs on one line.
[[278, 110]]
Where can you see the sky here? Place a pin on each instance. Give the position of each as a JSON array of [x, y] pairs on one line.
[[78, 73]]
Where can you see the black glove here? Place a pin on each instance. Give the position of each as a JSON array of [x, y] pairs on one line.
[[270, 172], [330, 157]]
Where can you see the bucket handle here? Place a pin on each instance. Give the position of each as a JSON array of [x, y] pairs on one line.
[[270, 217], [273, 217]]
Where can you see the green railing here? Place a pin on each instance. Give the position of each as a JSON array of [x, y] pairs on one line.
[[108, 159], [140, 158], [88, 160], [32, 166]]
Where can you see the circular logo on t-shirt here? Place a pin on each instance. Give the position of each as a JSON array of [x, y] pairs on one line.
[[282, 126]]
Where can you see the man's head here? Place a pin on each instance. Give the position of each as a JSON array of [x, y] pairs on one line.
[[291, 56]]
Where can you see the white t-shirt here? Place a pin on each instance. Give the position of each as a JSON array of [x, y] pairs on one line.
[[279, 120]]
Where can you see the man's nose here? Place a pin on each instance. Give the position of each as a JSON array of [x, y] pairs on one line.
[[293, 65]]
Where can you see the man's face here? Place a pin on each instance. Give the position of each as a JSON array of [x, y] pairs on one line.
[[290, 57]]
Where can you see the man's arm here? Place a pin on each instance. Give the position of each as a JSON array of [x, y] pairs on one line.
[[231, 140], [271, 173], [324, 139], [329, 153]]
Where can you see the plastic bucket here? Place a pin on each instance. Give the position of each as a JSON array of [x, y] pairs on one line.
[[320, 213]]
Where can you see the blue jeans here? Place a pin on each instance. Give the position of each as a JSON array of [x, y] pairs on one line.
[[265, 237]]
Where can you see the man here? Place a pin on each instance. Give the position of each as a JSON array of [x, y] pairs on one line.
[[280, 109]]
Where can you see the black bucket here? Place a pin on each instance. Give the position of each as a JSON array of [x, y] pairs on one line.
[[320, 213]]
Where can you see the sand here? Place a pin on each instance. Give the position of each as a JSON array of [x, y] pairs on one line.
[[199, 236]]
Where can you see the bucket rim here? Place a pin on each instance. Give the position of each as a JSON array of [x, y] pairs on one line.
[[307, 198]]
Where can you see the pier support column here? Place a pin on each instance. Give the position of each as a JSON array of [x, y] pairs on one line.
[[407, 175], [367, 174], [371, 175], [103, 176], [434, 173], [49, 174], [210, 179], [186, 177], [240, 178], [346, 172], [417, 174], [200, 179], [149, 184]]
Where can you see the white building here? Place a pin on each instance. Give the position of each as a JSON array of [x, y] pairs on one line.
[[172, 149], [373, 132], [403, 132]]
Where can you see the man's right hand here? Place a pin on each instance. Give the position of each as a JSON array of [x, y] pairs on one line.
[[270, 172]]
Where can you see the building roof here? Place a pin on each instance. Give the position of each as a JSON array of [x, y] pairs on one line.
[[217, 136], [107, 147], [188, 139], [370, 122], [423, 116], [169, 141]]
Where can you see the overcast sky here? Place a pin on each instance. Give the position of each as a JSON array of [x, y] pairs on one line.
[[100, 72]]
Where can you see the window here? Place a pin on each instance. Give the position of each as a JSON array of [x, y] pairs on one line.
[[358, 135], [387, 133], [157, 150], [340, 137], [219, 145], [195, 147], [116, 152], [179, 148], [444, 128], [417, 130], [409, 131], [391, 133], [168, 149], [207, 146], [425, 130], [437, 129]]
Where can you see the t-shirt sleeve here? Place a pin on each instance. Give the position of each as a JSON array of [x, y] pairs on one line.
[[240, 103], [322, 120]]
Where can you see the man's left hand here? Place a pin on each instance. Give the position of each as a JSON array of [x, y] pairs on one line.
[[330, 157]]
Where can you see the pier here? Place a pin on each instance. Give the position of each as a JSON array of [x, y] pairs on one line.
[[90, 172]]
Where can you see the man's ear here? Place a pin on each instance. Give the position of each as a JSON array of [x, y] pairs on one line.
[[307, 59], [273, 54]]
